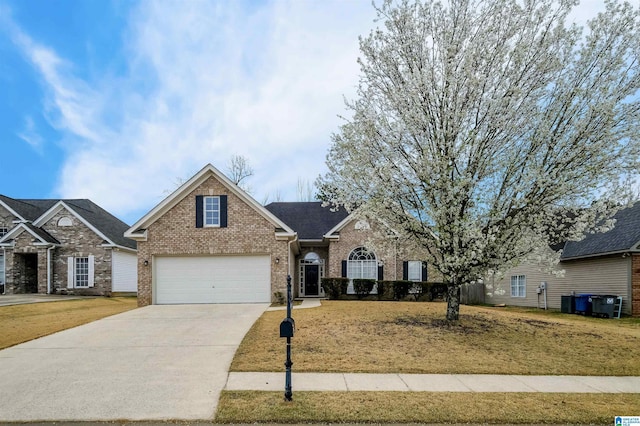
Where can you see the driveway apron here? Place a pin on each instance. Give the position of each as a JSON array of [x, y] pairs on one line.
[[152, 363]]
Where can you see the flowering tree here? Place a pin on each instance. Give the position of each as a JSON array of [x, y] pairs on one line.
[[479, 126]]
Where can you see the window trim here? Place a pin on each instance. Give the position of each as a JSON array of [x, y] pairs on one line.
[[72, 281], [520, 282], [217, 212]]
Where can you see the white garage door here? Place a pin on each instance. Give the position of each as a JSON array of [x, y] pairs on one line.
[[212, 279]]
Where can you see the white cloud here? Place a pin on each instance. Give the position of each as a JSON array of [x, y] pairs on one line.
[[206, 80], [30, 135]]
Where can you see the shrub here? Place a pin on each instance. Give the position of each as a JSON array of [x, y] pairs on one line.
[[419, 289], [363, 286], [334, 287], [438, 291], [401, 289], [384, 287], [280, 299]]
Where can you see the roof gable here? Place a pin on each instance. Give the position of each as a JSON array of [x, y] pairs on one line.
[[625, 236], [138, 230], [40, 234], [101, 222]]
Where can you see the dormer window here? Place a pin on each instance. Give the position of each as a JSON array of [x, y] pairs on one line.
[[65, 221]]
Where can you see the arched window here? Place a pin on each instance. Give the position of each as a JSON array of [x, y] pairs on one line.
[[362, 263], [311, 257], [65, 221]]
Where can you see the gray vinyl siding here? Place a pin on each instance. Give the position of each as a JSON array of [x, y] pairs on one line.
[[501, 292], [604, 275]]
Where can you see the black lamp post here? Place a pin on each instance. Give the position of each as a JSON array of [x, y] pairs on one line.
[[287, 327]]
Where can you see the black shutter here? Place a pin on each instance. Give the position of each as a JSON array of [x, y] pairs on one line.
[[199, 209], [344, 269], [223, 211], [380, 273], [405, 270], [425, 277]]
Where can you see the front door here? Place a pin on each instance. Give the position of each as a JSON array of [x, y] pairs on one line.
[[311, 280]]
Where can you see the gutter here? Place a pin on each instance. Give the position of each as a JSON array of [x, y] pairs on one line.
[[592, 255]]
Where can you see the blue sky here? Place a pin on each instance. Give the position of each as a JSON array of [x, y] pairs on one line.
[[117, 100]]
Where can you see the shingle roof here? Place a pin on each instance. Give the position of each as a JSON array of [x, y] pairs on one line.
[[44, 235], [309, 219], [112, 227], [29, 209], [623, 237]]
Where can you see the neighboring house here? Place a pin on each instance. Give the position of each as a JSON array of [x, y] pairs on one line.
[[211, 242], [59, 246], [605, 263]]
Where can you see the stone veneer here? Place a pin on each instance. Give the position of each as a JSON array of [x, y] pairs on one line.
[[76, 241], [175, 234]]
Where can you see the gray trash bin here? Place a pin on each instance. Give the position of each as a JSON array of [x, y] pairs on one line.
[[602, 305], [568, 304]]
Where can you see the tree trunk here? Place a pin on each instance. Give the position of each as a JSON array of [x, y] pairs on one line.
[[453, 302]]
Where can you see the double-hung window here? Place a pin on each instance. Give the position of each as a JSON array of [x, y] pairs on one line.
[[211, 211], [518, 286], [81, 276], [414, 270], [80, 272]]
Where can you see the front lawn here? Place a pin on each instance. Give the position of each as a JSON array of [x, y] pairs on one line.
[[412, 337], [21, 323]]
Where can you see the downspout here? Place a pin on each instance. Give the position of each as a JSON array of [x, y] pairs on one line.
[[49, 268], [4, 269], [289, 257]]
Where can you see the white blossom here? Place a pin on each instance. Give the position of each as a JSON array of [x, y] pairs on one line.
[[485, 131]]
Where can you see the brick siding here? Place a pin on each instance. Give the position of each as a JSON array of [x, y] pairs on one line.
[[175, 234]]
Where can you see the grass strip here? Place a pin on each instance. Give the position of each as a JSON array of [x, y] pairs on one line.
[[21, 323], [424, 407]]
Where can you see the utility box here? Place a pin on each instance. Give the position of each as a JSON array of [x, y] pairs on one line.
[[603, 305], [568, 304]]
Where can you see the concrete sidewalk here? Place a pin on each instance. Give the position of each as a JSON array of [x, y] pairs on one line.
[[304, 304], [348, 382]]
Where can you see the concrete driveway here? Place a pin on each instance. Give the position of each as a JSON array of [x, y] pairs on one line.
[[152, 363]]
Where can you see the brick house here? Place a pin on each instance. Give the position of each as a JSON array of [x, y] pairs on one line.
[[605, 263], [211, 242], [58, 246]]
